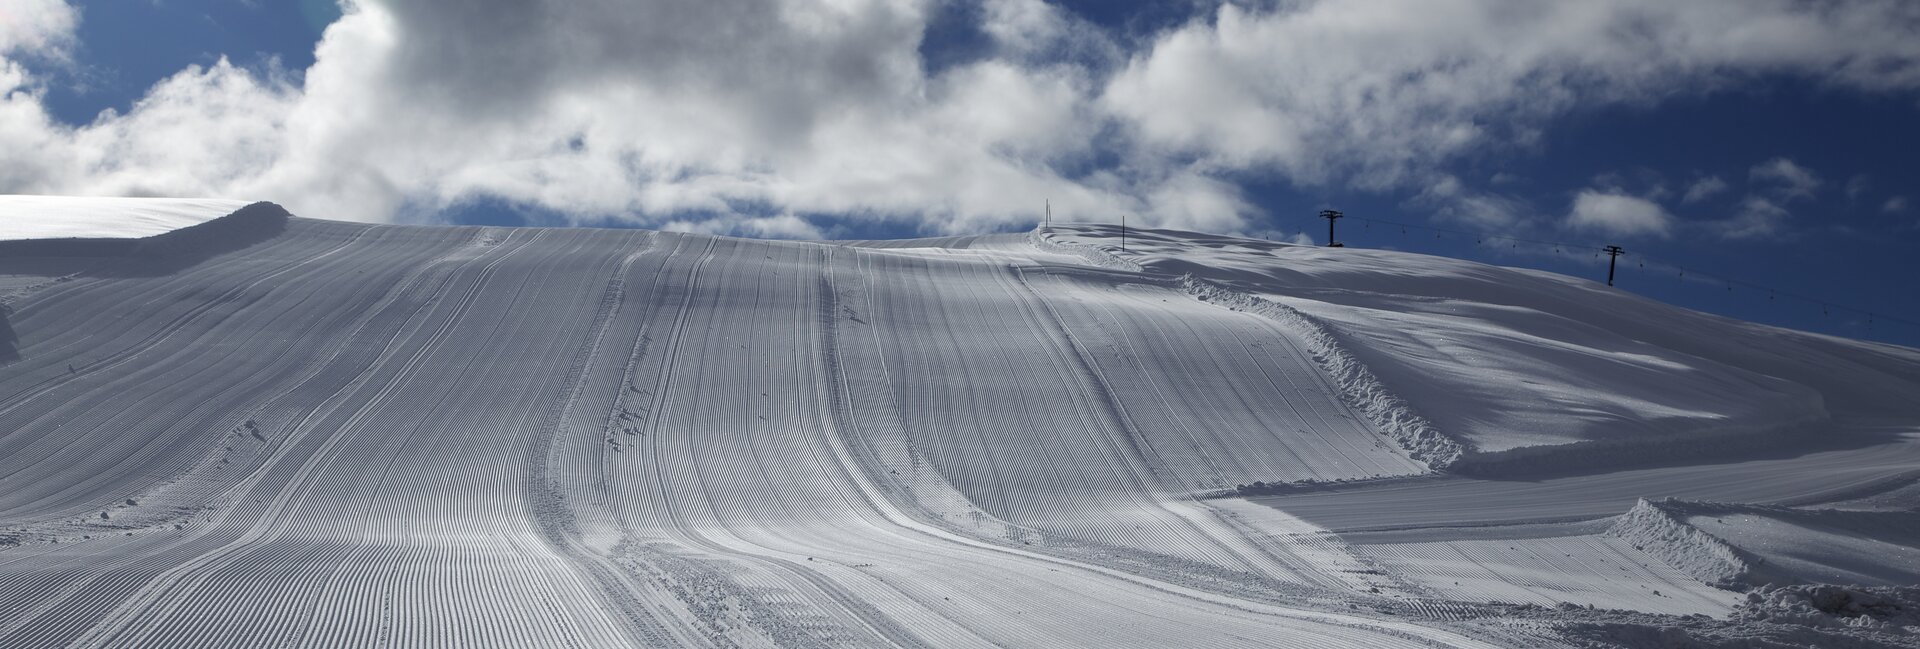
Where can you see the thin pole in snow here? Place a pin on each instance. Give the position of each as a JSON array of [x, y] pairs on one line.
[[1123, 233], [1049, 222], [1613, 252]]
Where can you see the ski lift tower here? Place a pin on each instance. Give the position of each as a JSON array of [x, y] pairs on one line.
[[1330, 215]]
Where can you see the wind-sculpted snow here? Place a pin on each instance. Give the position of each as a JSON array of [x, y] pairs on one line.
[[272, 431]]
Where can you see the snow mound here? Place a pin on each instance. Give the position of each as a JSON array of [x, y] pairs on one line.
[[89, 217], [1833, 606], [1740, 547], [1745, 556], [1657, 529]]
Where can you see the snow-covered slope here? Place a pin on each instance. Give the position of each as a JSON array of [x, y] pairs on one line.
[[74, 217], [269, 430], [1552, 371]]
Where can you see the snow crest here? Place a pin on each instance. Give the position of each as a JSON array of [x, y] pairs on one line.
[[1659, 530], [1386, 410], [1045, 241]]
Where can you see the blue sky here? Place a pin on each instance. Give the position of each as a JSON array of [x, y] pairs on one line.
[[1745, 141]]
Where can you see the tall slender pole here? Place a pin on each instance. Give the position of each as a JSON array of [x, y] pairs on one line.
[[1613, 252], [1123, 233], [1049, 222], [1330, 215]]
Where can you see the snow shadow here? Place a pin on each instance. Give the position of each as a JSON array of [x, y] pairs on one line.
[[190, 246], [1733, 447]]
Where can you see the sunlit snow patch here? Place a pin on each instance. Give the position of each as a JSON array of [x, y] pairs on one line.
[[87, 217]]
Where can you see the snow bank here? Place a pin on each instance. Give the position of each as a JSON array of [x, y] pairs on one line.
[[1361, 389], [1833, 606], [1049, 241], [1385, 410], [87, 217], [1739, 546], [1654, 528]]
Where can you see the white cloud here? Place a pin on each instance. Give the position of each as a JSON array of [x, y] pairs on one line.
[[1895, 205], [673, 114], [1378, 92], [1758, 218], [761, 117], [42, 27], [1618, 214], [1200, 203], [1786, 179], [1703, 189], [1451, 200]]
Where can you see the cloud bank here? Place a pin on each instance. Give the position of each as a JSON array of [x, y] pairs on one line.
[[771, 118]]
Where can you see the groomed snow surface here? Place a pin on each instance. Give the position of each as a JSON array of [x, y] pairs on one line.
[[267, 430]]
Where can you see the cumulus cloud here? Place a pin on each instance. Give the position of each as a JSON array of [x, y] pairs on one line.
[[771, 118], [1786, 179], [685, 114], [1619, 214], [1376, 92], [43, 27]]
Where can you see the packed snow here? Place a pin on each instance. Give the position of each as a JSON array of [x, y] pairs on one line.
[[269, 430]]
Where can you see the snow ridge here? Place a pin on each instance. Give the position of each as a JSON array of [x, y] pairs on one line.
[[1386, 410], [1043, 239], [1659, 529], [1392, 415]]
